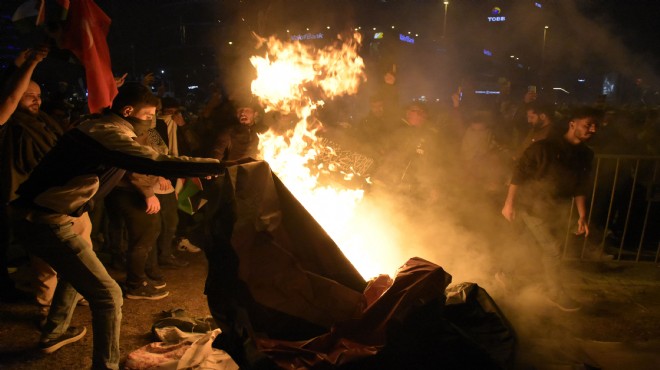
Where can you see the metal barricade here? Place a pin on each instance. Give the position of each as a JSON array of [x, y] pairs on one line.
[[624, 212]]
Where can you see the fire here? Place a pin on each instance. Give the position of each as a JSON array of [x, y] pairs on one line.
[[294, 78]]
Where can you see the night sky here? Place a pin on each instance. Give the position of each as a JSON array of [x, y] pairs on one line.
[[190, 38]]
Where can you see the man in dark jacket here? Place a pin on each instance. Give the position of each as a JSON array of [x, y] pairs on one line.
[[240, 140], [548, 175]]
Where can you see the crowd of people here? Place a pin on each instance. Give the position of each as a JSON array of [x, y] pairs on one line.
[[155, 160]]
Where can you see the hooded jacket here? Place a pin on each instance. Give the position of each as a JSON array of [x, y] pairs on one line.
[[89, 161]]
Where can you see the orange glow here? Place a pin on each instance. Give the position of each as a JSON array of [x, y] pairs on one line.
[[286, 77]]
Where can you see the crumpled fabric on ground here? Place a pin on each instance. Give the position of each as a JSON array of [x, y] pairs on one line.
[[178, 318], [193, 351]]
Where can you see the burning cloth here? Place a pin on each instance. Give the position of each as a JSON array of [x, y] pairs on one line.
[[285, 296]]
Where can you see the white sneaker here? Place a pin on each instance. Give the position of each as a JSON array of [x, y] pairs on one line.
[[186, 246]]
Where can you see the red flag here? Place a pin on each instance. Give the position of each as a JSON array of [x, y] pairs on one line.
[[84, 34]]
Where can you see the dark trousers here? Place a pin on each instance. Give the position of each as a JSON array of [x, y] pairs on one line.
[[169, 221], [142, 229]]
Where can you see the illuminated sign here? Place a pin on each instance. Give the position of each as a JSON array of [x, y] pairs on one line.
[[378, 35], [488, 52], [407, 39], [496, 15], [538, 5], [307, 36], [487, 92]]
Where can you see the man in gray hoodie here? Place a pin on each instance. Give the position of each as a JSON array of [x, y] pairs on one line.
[[84, 166]]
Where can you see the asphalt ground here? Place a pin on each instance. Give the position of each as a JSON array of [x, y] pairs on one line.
[[618, 326]]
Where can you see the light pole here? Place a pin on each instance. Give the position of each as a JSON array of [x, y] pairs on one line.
[[545, 33], [542, 67], [444, 22]]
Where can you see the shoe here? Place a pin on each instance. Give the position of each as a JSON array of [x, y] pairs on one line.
[[146, 291], [73, 334], [186, 246], [564, 302], [158, 284], [157, 279], [172, 262]]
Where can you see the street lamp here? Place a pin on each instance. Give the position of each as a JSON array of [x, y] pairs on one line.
[[444, 22], [545, 33]]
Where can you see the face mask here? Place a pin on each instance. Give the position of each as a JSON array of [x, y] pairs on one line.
[[140, 126]]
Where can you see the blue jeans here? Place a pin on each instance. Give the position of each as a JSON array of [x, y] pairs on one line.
[[57, 240]]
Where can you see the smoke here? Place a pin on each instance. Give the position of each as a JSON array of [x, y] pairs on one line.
[[450, 215], [460, 229]]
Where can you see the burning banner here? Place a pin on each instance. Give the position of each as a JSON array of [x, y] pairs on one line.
[[280, 288], [296, 79]]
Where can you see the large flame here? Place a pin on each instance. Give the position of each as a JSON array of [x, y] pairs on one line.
[[294, 78]]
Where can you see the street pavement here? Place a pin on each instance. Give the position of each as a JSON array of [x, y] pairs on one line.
[[617, 328]]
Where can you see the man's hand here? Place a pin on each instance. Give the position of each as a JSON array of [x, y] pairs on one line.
[[177, 117], [582, 227], [35, 55], [22, 57], [153, 205], [119, 81], [509, 212], [164, 184], [148, 79]]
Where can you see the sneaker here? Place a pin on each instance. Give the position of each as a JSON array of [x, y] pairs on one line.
[[73, 334], [146, 291], [186, 246], [156, 278], [158, 284], [564, 302], [172, 262]]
